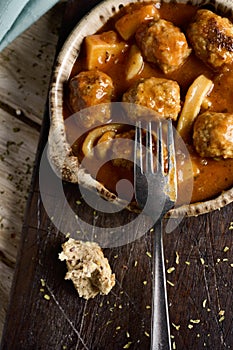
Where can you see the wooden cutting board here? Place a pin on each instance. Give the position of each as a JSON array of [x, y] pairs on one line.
[[45, 311]]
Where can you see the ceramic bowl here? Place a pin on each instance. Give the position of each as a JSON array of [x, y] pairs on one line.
[[63, 162]]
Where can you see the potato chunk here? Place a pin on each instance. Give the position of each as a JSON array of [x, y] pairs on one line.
[[135, 63], [103, 49], [128, 24], [195, 96]]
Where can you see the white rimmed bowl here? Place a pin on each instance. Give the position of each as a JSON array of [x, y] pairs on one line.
[[63, 162]]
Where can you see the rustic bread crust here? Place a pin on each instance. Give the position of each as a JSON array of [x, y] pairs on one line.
[[88, 269]]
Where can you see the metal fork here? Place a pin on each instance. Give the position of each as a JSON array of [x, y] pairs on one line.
[[155, 202]]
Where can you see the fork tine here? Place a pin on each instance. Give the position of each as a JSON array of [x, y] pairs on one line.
[[160, 159], [171, 160], [149, 150], [170, 145], [138, 163]]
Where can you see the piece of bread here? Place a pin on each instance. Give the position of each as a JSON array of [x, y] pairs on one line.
[[87, 267]]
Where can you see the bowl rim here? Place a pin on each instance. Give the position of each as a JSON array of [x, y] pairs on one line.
[[67, 167]]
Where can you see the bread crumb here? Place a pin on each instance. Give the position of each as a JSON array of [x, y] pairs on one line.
[[87, 267]]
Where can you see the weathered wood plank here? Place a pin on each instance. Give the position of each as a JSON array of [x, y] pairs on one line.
[[18, 143], [25, 65], [6, 273], [25, 69]]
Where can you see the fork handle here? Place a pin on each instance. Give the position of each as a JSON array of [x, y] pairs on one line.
[[160, 327]]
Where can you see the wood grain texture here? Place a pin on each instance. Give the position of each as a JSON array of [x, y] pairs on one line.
[[25, 69], [199, 266], [26, 66], [18, 143]]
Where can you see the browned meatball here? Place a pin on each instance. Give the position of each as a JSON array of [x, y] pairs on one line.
[[213, 134], [90, 88], [160, 95], [163, 43], [211, 37]]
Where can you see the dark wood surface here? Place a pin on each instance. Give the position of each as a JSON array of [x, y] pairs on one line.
[[199, 251]]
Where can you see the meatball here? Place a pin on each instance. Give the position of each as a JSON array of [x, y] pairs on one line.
[[163, 43], [211, 37], [213, 134], [160, 95], [90, 88]]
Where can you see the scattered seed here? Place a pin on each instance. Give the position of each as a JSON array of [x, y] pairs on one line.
[[127, 345], [222, 318], [177, 327], [145, 283], [118, 327], [195, 321], [231, 225], [78, 202], [177, 258], [16, 129], [47, 297], [187, 262], [147, 334], [148, 306], [204, 303], [202, 261], [42, 282], [190, 326], [226, 249], [135, 263], [171, 269], [173, 345], [221, 312], [149, 254], [171, 284]]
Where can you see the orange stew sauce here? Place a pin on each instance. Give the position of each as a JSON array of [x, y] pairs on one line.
[[214, 175]]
